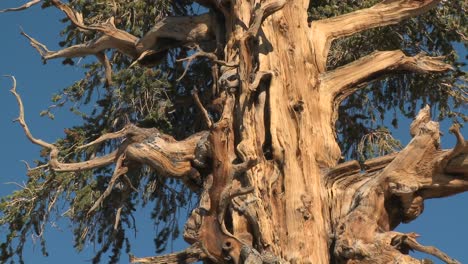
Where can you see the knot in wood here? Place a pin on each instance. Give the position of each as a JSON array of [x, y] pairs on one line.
[[298, 106]]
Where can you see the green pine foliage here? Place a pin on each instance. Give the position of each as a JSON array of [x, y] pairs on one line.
[[152, 97]]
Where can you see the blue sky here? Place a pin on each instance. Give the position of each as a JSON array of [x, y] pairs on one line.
[[443, 224]]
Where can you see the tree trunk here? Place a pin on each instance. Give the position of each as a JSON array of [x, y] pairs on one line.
[[287, 124], [276, 193], [283, 118]]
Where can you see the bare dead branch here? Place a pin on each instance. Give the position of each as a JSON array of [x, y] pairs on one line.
[[22, 121], [456, 162], [119, 170], [23, 7], [387, 12], [95, 47], [343, 81], [191, 254], [92, 47], [108, 28], [202, 109], [200, 53], [209, 55], [395, 186], [53, 162], [121, 133], [409, 240], [117, 218], [102, 57]]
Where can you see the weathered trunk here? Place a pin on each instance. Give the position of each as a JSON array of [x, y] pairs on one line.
[[283, 118], [286, 124], [275, 193]]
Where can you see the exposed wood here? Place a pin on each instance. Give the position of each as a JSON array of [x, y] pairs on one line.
[[421, 119], [191, 254], [393, 195], [409, 240], [345, 80], [385, 13], [25, 6], [168, 33], [146, 146], [271, 189], [344, 169], [180, 30]]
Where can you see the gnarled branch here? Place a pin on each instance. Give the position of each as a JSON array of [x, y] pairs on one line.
[[344, 81], [385, 13], [145, 146], [23, 7], [371, 204]]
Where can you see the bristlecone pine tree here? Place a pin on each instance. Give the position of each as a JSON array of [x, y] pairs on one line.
[[250, 108]]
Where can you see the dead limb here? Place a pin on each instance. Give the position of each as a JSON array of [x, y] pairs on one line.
[[94, 47], [200, 53], [385, 13], [53, 162], [408, 241], [209, 55], [102, 57], [120, 169], [191, 254], [456, 161], [23, 7], [145, 146], [423, 116], [343, 81], [107, 28], [202, 109]]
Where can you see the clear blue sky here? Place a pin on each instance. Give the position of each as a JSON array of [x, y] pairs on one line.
[[443, 224]]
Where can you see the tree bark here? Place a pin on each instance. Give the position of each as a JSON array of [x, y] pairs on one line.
[[276, 193]]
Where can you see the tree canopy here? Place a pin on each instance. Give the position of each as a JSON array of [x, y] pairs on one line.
[[128, 93]]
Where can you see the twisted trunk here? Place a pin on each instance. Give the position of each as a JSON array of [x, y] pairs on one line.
[[275, 192], [283, 119]]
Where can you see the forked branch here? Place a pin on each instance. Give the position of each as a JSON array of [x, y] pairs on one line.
[[144, 146], [54, 151], [170, 32], [385, 13]]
